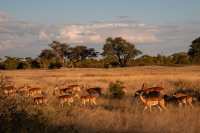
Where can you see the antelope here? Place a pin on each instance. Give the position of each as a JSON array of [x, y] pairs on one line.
[[186, 99], [155, 89], [88, 99], [153, 101], [181, 100], [94, 91], [34, 91], [40, 100], [69, 99], [9, 90], [62, 91]]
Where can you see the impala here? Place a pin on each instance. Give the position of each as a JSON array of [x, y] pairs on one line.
[[34, 91], [153, 101], [9, 90], [180, 100], [69, 99], [187, 100]]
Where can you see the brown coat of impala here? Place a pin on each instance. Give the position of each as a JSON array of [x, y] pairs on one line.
[[9, 90], [34, 91], [153, 101]]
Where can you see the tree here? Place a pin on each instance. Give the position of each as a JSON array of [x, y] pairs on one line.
[[60, 50], [11, 62], [46, 56], [194, 51], [120, 49], [80, 53], [180, 58]]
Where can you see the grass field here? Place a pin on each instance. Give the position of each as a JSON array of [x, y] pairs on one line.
[[113, 115]]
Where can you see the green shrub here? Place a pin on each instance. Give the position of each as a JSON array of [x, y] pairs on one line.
[[116, 90]]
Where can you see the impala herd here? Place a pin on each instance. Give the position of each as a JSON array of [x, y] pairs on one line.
[[150, 97]]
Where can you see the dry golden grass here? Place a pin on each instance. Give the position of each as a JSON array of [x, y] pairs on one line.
[[167, 77], [116, 115]]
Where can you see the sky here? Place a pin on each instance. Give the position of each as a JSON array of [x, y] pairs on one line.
[[154, 26]]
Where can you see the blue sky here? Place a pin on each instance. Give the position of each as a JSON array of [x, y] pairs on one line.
[[80, 11], [155, 26]]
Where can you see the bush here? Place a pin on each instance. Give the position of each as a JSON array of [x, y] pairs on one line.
[[2, 66], [35, 64], [55, 65], [23, 65], [116, 90]]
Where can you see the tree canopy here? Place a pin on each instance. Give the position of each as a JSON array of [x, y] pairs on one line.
[[194, 51], [120, 49], [80, 53], [60, 50]]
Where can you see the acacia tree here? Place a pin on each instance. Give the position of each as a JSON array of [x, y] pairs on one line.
[[46, 56], [80, 53], [60, 50], [194, 51], [120, 50]]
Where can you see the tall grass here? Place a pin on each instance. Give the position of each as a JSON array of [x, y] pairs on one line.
[[109, 115]]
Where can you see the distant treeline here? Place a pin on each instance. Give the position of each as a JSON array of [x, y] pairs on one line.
[[117, 52]]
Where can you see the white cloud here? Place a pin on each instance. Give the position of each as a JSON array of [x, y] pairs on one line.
[[96, 33]]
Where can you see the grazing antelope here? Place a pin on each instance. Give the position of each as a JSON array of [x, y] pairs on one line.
[[94, 91], [40, 100], [69, 99], [88, 100], [34, 91], [153, 101], [155, 89]]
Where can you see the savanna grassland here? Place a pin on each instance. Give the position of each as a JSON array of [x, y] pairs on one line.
[[110, 115]]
